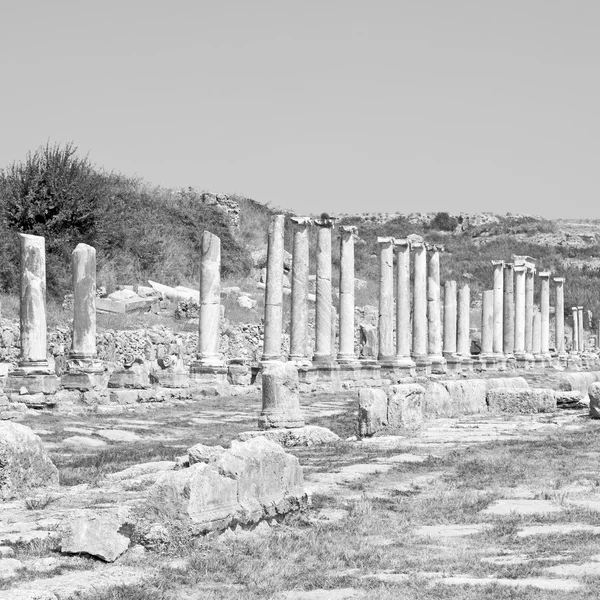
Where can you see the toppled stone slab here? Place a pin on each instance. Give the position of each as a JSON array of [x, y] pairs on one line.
[[253, 480], [24, 462], [199, 453], [578, 381], [521, 401], [451, 531], [569, 400], [309, 435], [512, 383], [96, 533]]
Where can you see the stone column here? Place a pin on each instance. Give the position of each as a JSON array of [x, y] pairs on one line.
[[274, 291], [581, 329], [529, 288], [33, 372], [450, 327], [299, 302], [463, 345], [488, 357], [537, 338], [545, 316], [346, 352], [386, 300], [575, 330], [405, 362], [559, 318], [498, 289], [434, 311], [209, 338], [323, 317], [280, 400], [508, 343], [520, 273], [419, 345]]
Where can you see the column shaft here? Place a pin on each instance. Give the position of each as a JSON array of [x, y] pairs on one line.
[[520, 273], [537, 335], [299, 302], [386, 299], [498, 343], [450, 324], [434, 317], [529, 288], [487, 324], [419, 346], [545, 313], [84, 302], [575, 329], [346, 352], [581, 329], [402, 299], [464, 321], [509, 310], [323, 316], [559, 316]]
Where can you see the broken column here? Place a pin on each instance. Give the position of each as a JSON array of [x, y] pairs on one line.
[[280, 399], [559, 319], [463, 346], [274, 292], [545, 317], [520, 356], [419, 345], [299, 342], [386, 354], [84, 370], [33, 372], [450, 327], [488, 358], [404, 362], [508, 307], [434, 314], [498, 330]]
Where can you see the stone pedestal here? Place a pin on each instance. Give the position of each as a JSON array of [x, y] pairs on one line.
[[346, 354], [299, 341], [33, 372], [280, 400], [324, 307], [274, 292], [404, 362], [419, 343], [434, 316]]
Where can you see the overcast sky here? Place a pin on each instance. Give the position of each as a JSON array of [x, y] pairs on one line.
[[337, 106]]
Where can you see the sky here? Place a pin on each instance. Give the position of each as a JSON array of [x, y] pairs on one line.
[[318, 105]]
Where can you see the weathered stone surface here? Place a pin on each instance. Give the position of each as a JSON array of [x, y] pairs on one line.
[[136, 376], [280, 399], [513, 383], [309, 435], [467, 397], [578, 381], [96, 533], [255, 479], [438, 402], [569, 400], [405, 406], [24, 463], [372, 411], [519, 401], [335, 594], [199, 453], [594, 396]]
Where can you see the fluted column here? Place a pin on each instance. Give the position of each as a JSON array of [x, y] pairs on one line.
[[419, 344], [559, 317], [575, 329], [508, 307], [581, 329], [274, 291], [463, 345], [346, 351], [545, 314], [498, 289], [323, 316], [529, 289], [299, 342], [520, 273], [386, 299], [403, 305], [434, 311]]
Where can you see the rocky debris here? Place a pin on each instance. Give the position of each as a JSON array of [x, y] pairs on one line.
[[251, 481], [187, 309], [24, 463], [578, 381], [309, 435], [97, 533], [246, 302], [569, 400], [516, 401], [200, 453]]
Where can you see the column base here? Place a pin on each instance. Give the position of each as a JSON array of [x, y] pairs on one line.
[[454, 364], [84, 374], [320, 376], [490, 362], [35, 380], [346, 359], [323, 360], [208, 374], [422, 364], [438, 364], [501, 362], [397, 369], [511, 362], [524, 360], [466, 364]]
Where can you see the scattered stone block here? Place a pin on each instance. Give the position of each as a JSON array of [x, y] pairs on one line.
[[521, 401], [9, 567], [309, 435], [372, 411], [438, 402], [136, 376], [569, 400], [24, 463], [79, 441], [200, 453], [405, 406], [594, 396], [124, 396], [280, 397]]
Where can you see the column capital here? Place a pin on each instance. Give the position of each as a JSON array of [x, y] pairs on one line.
[[351, 229], [498, 263], [580, 308], [328, 222], [559, 280], [417, 244], [385, 240], [403, 242], [519, 268], [509, 265], [573, 308], [544, 274], [434, 247], [523, 259], [301, 220]]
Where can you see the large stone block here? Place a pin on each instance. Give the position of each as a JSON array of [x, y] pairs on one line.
[[438, 402], [513, 383], [594, 395], [372, 411], [580, 382], [405, 406], [24, 463], [253, 480], [280, 397], [136, 376], [309, 435], [468, 396], [519, 401]]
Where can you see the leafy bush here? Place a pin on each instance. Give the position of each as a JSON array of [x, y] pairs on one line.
[[443, 222]]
